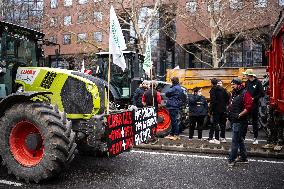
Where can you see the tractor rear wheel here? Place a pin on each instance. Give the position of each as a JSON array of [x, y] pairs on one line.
[[164, 122], [36, 141]]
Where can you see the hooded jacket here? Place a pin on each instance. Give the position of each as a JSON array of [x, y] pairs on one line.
[[175, 96], [219, 100]]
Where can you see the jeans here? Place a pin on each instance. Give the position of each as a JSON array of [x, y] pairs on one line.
[[254, 116], [219, 122], [193, 121], [237, 143], [175, 127]]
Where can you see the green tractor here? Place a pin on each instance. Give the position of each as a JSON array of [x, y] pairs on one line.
[[44, 112]]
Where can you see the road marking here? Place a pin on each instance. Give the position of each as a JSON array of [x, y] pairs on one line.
[[200, 156], [248, 139], [10, 183]]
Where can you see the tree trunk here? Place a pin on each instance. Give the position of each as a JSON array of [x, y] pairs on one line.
[[214, 37]]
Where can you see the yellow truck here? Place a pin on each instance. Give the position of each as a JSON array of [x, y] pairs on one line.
[[200, 77]]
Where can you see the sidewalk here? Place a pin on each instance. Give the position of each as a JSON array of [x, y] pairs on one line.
[[197, 146]]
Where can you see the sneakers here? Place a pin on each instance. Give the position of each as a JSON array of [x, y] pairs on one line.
[[231, 163], [169, 137], [175, 137], [223, 140], [242, 161], [278, 147], [214, 141], [255, 141], [155, 141], [268, 146]]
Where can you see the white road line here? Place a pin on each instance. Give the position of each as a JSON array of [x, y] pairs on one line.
[[248, 139], [10, 183], [200, 156]]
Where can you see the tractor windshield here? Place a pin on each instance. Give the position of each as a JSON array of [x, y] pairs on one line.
[[19, 46], [20, 51]]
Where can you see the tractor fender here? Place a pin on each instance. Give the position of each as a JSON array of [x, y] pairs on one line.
[[15, 98]]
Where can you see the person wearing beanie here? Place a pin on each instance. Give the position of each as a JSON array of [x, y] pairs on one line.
[[239, 107]]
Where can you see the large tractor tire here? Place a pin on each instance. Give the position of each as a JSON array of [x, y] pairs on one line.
[[36, 141], [164, 122]]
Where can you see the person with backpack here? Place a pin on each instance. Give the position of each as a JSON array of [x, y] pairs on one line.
[[175, 95], [239, 109], [198, 109]]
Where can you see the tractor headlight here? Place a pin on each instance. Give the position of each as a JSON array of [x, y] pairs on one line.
[[89, 87], [96, 95]]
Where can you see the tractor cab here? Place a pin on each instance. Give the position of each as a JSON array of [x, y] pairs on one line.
[[19, 46], [123, 82]]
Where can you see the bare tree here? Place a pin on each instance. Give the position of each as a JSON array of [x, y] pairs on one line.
[[213, 21]]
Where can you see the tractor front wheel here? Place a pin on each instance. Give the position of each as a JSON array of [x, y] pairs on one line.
[[36, 141], [164, 122]]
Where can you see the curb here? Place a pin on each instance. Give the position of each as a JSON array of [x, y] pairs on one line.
[[205, 147]]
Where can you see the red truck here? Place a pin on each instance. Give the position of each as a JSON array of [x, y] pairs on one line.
[[276, 72]]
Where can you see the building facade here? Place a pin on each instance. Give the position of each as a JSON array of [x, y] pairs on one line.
[[80, 28], [27, 13]]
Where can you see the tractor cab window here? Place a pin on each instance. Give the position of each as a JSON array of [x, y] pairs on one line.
[[21, 51]]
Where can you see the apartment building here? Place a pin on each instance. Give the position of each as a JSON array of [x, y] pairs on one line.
[[80, 28], [27, 13], [246, 24]]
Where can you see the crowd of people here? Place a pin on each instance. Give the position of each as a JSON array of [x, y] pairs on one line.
[[238, 107]]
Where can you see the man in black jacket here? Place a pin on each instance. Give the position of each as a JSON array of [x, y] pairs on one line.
[[137, 96], [218, 107], [254, 87]]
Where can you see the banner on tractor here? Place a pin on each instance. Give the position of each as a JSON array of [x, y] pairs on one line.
[[130, 128]]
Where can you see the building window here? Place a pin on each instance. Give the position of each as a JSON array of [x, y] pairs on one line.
[[53, 4], [82, 17], [81, 37], [81, 2], [66, 39], [98, 16], [214, 5], [281, 2], [53, 21], [260, 3], [67, 20], [236, 4], [191, 6], [53, 39], [67, 3], [98, 36]]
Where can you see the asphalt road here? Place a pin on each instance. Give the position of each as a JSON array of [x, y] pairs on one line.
[[149, 169]]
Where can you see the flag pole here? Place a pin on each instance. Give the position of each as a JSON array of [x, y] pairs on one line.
[[152, 86], [108, 83]]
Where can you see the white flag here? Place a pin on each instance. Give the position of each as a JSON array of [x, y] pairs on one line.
[[83, 66], [147, 64], [116, 41]]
